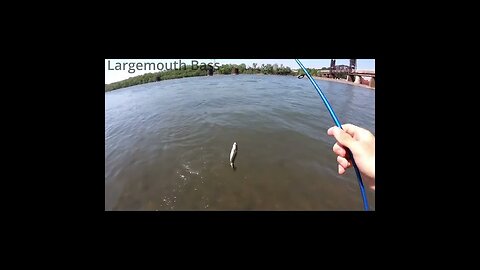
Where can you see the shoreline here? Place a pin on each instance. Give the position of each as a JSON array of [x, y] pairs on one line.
[[315, 77], [343, 81]]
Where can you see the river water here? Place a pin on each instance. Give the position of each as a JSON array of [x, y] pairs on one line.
[[167, 144]]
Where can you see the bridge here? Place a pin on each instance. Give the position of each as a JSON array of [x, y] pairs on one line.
[[350, 72]]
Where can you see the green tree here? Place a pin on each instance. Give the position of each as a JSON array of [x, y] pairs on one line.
[[241, 68]]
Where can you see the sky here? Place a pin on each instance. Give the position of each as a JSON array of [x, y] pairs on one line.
[[118, 75]]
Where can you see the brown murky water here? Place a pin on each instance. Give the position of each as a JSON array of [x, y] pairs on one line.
[[167, 144]]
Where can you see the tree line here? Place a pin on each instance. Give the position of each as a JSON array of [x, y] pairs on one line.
[[155, 77], [224, 69]]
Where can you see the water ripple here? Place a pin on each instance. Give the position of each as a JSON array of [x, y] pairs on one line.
[[167, 144]]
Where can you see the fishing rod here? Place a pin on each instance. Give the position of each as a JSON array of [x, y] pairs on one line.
[[337, 123]]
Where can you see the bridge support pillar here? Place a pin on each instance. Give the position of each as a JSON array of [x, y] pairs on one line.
[[349, 78], [358, 79], [372, 82]]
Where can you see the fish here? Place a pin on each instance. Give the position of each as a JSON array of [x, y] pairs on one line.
[[233, 154]]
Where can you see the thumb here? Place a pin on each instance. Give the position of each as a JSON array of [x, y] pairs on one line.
[[342, 137]]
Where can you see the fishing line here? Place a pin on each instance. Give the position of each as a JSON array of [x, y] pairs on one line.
[[337, 123]]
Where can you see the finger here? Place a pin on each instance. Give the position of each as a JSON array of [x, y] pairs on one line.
[[339, 150], [330, 131], [341, 136], [341, 170], [357, 132], [343, 162], [350, 129]]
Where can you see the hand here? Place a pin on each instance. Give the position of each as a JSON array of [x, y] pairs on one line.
[[362, 144]]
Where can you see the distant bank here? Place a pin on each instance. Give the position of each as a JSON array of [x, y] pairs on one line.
[[223, 70], [343, 81], [190, 71]]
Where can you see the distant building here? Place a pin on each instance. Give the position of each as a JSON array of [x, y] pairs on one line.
[[342, 67]]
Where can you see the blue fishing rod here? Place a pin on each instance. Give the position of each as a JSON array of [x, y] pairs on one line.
[[337, 123]]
